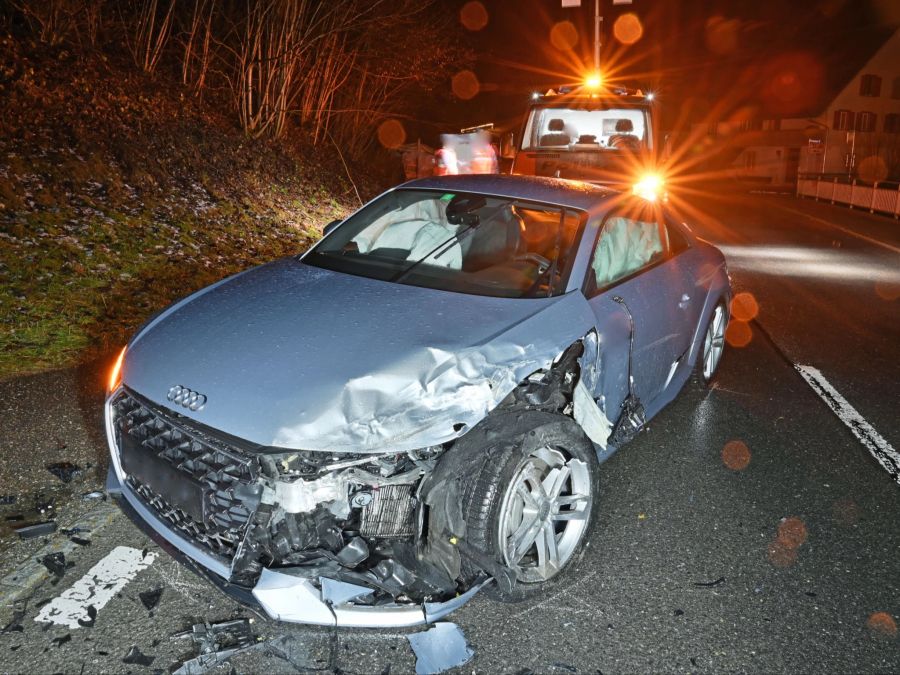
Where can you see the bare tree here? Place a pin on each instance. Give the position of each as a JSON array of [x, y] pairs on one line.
[[197, 44], [52, 20], [151, 33], [92, 20]]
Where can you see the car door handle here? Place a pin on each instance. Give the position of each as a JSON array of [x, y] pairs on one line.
[[685, 299]]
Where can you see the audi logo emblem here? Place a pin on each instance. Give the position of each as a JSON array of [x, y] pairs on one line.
[[186, 398]]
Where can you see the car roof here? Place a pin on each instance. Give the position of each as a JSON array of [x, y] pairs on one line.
[[571, 193]]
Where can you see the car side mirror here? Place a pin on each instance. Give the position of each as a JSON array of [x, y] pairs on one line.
[[330, 226], [508, 146]]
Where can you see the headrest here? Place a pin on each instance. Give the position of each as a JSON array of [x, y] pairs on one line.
[[587, 138], [556, 124], [624, 125]]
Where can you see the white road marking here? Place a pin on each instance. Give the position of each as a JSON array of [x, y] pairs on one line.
[[879, 447], [871, 240], [97, 587]]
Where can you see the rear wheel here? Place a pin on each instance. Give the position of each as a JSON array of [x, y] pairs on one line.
[[713, 347], [532, 505]]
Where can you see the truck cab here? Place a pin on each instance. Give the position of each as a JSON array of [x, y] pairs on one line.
[[599, 135]]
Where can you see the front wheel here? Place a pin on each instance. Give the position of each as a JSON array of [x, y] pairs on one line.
[[532, 505]]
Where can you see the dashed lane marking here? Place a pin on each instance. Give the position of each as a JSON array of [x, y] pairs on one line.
[[96, 588], [881, 450]]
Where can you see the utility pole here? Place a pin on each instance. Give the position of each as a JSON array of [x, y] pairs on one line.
[[597, 20]]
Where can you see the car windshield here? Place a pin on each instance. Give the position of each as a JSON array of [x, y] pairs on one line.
[[463, 242], [587, 129]]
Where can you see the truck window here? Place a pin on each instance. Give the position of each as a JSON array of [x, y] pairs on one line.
[[584, 129]]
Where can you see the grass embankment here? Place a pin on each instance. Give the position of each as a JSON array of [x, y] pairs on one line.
[[117, 197]]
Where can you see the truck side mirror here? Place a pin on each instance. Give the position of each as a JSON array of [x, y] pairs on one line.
[[508, 146], [330, 226]]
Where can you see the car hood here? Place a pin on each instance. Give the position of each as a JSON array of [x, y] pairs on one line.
[[299, 357]]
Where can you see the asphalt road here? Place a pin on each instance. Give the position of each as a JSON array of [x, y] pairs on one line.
[[703, 561]]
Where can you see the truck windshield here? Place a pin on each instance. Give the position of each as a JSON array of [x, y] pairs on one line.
[[587, 129], [463, 242]]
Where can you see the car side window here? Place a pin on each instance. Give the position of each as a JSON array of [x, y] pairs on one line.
[[626, 244], [676, 240]]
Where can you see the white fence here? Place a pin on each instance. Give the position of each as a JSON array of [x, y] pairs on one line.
[[843, 190]]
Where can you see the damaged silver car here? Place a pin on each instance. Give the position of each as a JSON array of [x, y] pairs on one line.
[[417, 407]]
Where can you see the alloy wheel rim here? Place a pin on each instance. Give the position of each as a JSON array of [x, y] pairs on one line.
[[544, 514], [714, 343]]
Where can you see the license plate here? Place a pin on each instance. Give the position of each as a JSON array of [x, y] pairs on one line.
[[174, 486]]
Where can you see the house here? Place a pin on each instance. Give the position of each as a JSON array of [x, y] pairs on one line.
[[861, 125], [856, 133]]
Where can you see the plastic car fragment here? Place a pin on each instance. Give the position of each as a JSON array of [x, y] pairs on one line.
[[441, 647], [216, 643], [36, 530]]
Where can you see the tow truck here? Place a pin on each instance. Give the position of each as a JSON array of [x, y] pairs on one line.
[[590, 132]]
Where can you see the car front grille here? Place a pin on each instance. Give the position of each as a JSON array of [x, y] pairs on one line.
[[204, 488]]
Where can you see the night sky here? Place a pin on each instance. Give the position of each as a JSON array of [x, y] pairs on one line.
[[757, 58]]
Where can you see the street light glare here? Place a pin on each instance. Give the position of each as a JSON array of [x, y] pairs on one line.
[[593, 81]]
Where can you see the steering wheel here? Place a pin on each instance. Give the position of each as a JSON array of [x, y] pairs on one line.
[[536, 258]]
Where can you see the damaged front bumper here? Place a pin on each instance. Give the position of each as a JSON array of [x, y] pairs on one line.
[[281, 595]]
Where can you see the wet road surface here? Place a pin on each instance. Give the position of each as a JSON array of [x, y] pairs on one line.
[[745, 529]]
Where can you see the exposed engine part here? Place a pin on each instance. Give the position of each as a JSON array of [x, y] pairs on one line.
[[390, 514], [355, 552], [406, 574], [361, 499], [303, 496], [552, 389]]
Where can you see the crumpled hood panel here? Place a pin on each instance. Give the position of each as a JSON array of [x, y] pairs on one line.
[[300, 357]]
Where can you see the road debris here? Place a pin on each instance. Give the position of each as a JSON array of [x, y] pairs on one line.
[[65, 471], [150, 599], [92, 617], [56, 565], [95, 494], [15, 624], [43, 505], [78, 540], [69, 531], [216, 643], [96, 588], [289, 648], [138, 658], [60, 641], [709, 584], [36, 530], [6, 500], [441, 647]]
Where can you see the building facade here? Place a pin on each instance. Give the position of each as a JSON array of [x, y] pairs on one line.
[[861, 126]]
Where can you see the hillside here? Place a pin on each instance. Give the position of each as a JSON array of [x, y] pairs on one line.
[[118, 195]]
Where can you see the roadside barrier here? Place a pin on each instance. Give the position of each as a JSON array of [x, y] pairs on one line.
[[880, 197]]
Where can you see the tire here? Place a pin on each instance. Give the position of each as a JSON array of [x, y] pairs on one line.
[[703, 375], [544, 448]]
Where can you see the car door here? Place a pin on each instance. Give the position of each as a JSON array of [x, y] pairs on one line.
[[635, 268]]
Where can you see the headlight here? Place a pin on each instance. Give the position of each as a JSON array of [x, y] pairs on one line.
[[649, 187], [116, 372]]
